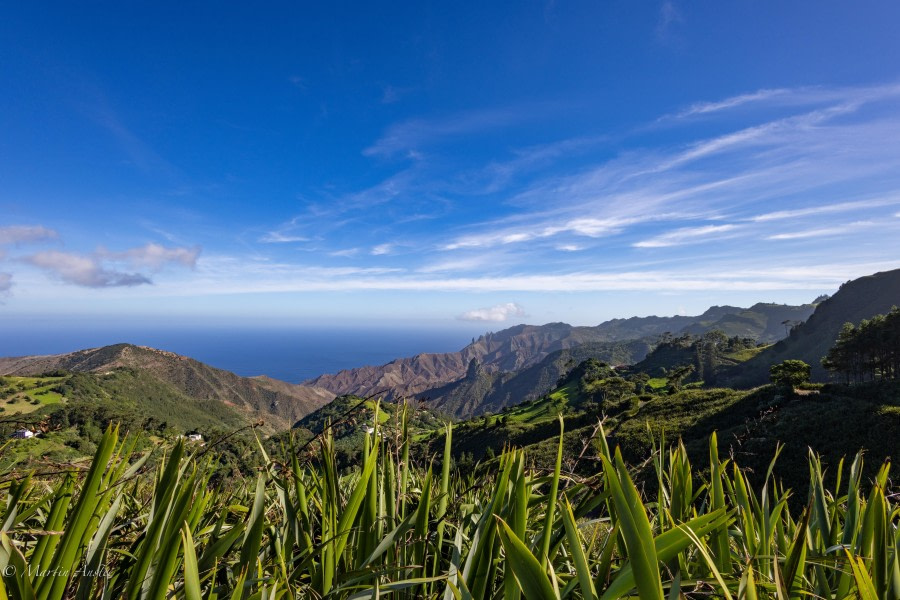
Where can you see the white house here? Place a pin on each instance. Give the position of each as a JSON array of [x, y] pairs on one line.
[[23, 434], [194, 437]]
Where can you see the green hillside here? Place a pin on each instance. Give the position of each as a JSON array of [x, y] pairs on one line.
[[69, 412], [697, 359], [277, 403], [835, 421]]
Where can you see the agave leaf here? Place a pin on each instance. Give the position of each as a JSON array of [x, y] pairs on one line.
[[191, 570], [529, 573], [635, 528]]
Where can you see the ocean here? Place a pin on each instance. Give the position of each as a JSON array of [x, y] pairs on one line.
[[292, 355]]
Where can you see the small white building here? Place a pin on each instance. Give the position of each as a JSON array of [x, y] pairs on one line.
[[23, 434], [194, 437]]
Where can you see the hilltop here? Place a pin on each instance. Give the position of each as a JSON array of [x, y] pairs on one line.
[[173, 376]]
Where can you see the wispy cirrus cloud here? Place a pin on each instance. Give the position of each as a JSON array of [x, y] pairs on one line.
[[757, 97], [686, 235], [818, 232], [155, 256], [669, 17], [588, 227], [136, 150], [220, 275], [410, 137], [822, 143], [345, 252], [536, 220], [810, 158], [780, 98], [840, 207], [285, 233]]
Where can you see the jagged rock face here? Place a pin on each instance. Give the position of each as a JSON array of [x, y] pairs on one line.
[[276, 402]]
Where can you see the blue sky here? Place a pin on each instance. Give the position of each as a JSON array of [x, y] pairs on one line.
[[441, 164]]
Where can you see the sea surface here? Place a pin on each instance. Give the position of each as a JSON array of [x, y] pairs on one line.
[[292, 355]]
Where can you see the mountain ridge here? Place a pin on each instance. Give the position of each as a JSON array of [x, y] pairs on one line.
[[523, 346], [855, 300], [277, 402]]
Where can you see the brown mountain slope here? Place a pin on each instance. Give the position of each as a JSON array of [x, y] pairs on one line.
[[524, 346], [508, 350], [278, 403]]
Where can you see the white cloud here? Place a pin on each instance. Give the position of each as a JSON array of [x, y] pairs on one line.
[[381, 249], [104, 269], [789, 97], [685, 235], [277, 237], [5, 282], [498, 313], [19, 234], [85, 271], [346, 252]]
